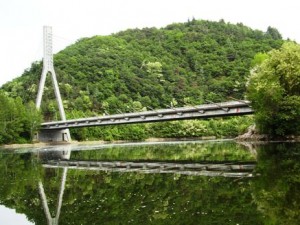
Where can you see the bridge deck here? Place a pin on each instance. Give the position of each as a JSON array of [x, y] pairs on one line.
[[232, 108]]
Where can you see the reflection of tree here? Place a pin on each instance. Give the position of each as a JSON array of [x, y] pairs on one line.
[[277, 190], [99, 197], [211, 151], [19, 175], [156, 199]]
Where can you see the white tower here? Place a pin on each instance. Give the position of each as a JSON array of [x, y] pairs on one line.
[[48, 67]]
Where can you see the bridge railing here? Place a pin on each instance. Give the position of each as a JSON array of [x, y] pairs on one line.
[[191, 112]]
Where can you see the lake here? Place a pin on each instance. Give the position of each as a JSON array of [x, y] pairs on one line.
[[196, 182]]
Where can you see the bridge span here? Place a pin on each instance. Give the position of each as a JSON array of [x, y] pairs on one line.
[[223, 109]]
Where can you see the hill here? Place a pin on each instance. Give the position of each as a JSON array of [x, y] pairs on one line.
[[180, 64], [185, 63]]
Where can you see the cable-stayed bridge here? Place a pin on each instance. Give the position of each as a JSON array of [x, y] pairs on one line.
[[59, 130]]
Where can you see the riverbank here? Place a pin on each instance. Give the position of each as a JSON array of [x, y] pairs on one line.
[[253, 135], [44, 144], [248, 137]]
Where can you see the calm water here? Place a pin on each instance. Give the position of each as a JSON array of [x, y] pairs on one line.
[[167, 183]]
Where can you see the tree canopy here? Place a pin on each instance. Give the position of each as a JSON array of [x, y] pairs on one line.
[[18, 121], [274, 89]]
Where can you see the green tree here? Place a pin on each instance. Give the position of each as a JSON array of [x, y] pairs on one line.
[[18, 122], [274, 33], [33, 120], [274, 89]]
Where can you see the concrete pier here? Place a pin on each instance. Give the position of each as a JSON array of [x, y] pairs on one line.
[[61, 135]]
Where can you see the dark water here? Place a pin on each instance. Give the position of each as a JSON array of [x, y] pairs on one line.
[[171, 183]]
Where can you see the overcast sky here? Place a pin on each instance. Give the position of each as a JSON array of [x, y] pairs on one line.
[[10, 216], [22, 21]]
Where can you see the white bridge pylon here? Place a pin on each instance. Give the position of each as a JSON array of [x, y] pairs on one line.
[[48, 67]]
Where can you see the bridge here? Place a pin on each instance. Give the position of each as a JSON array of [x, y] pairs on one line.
[[51, 131], [57, 131], [223, 109]]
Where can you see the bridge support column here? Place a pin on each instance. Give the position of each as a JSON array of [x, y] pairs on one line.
[[48, 67], [53, 136]]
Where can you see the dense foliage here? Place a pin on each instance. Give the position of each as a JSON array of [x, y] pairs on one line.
[[18, 122], [274, 89], [181, 64], [215, 128]]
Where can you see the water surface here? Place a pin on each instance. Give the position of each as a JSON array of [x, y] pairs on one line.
[[163, 183]]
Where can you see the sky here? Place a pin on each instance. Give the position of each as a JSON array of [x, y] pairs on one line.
[[22, 21], [10, 216]]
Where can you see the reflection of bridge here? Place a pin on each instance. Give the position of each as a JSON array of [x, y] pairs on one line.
[[61, 160], [197, 169], [58, 130]]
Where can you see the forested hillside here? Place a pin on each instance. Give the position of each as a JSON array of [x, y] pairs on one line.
[[184, 63], [181, 64]]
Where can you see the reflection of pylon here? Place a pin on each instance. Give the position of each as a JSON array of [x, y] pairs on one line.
[[48, 67], [66, 154], [53, 221]]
